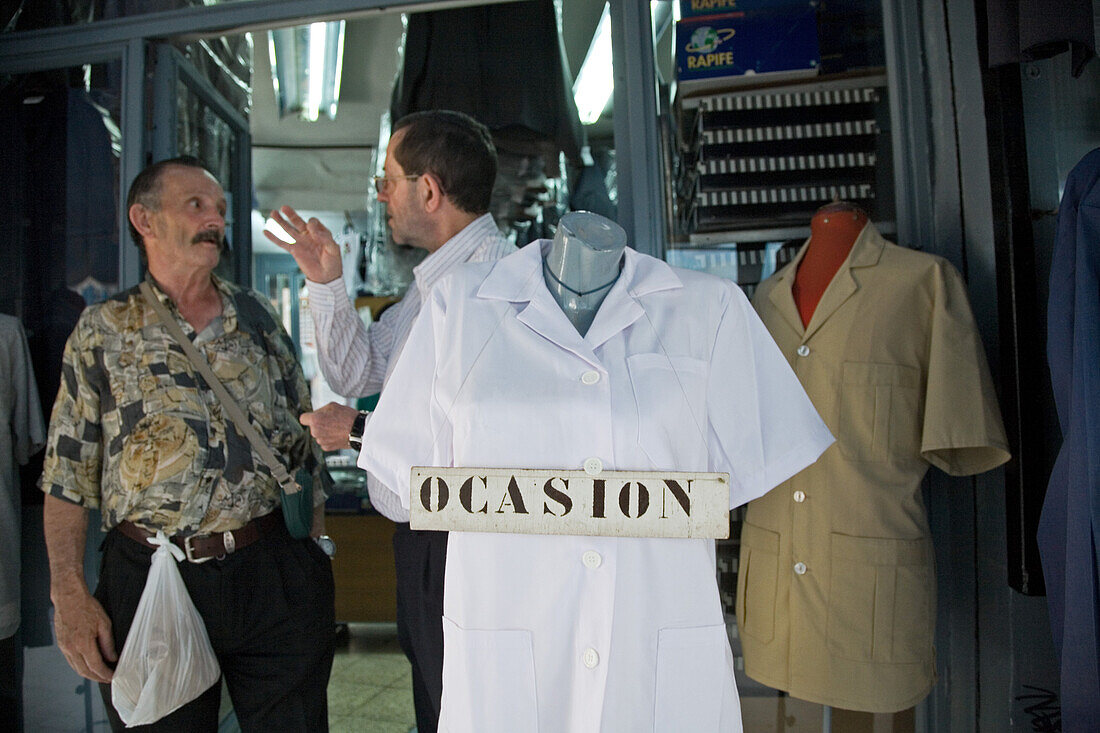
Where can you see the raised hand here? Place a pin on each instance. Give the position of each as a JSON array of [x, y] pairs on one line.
[[313, 248]]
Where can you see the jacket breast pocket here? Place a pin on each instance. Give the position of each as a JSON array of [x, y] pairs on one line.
[[670, 396], [691, 675], [495, 672], [757, 582], [879, 416], [881, 596]]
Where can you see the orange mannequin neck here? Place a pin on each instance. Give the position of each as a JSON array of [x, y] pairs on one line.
[[832, 234]]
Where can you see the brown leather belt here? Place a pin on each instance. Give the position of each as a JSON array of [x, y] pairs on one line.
[[203, 547]]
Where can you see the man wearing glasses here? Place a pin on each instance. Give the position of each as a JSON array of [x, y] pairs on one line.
[[439, 173]]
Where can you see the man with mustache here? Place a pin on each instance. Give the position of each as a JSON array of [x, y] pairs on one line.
[[137, 433], [439, 173]]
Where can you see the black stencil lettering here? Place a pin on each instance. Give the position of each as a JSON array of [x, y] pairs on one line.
[[426, 494], [597, 498], [515, 496], [624, 499], [557, 495], [466, 496], [680, 494]]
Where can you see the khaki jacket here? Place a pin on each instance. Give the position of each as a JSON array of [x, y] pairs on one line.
[[836, 586]]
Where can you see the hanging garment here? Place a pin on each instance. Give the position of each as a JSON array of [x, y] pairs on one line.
[[23, 433], [566, 633], [1029, 30], [1069, 527], [91, 203], [836, 602], [502, 64]]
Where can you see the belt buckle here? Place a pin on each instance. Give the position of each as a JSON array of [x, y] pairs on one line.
[[189, 551]]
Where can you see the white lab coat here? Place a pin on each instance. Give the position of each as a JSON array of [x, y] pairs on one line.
[[562, 633]]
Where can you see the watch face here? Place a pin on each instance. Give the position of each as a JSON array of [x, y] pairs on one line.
[[326, 544]]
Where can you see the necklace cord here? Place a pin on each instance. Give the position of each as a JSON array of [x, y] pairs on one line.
[[578, 293]]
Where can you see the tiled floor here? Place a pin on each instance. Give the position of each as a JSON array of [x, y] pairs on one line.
[[371, 686]]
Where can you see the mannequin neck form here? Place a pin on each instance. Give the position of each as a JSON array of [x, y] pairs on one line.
[[582, 263], [833, 231]]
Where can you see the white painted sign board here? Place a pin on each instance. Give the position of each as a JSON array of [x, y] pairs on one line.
[[552, 501]]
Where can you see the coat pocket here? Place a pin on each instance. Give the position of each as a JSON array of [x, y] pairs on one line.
[[692, 672], [879, 416], [670, 396], [757, 582], [881, 595], [488, 680]]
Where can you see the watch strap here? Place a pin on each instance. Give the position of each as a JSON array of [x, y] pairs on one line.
[[355, 437]]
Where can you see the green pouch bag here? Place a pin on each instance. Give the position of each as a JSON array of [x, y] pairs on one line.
[[298, 507]]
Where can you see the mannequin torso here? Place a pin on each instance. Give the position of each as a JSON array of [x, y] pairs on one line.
[[833, 231], [582, 264]]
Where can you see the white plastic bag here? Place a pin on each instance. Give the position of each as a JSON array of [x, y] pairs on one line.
[[167, 660]]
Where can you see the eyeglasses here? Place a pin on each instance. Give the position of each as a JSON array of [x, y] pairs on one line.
[[382, 184]]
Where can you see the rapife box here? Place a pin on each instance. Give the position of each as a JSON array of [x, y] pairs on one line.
[[696, 8], [747, 44]]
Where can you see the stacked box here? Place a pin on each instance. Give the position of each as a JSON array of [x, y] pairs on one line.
[[697, 8], [758, 45]]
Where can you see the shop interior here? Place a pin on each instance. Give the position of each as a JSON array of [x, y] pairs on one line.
[[892, 106]]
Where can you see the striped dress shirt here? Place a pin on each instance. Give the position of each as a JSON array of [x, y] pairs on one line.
[[357, 360]]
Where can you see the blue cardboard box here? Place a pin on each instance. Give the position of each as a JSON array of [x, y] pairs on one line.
[[697, 8], [746, 45]]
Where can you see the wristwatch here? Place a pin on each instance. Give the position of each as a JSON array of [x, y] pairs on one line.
[[355, 437], [327, 545]]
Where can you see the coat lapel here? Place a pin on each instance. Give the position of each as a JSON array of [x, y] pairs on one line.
[[517, 278], [865, 253], [641, 276], [782, 295]]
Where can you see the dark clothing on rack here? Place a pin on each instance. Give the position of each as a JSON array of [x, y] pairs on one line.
[[91, 221], [1069, 528], [503, 65], [1029, 30]]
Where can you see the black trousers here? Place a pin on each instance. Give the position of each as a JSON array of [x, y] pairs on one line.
[[420, 557], [269, 613], [11, 683]]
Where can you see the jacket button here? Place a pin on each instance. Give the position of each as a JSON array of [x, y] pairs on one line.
[[591, 559], [800, 568], [591, 657], [803, 350], [593, 466], [590, 377], [800, 496]]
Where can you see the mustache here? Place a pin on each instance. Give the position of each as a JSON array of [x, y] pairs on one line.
[[214, 236]]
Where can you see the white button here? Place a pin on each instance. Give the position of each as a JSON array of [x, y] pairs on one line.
[[591, 657], [800, 568], [591, 559], [799, 496], [590, 377], [803, 350], [593, 466]]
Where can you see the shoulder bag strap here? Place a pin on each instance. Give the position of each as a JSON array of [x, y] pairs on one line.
[[232, 409]]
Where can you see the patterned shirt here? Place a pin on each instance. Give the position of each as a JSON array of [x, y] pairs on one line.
[[137, 433]]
